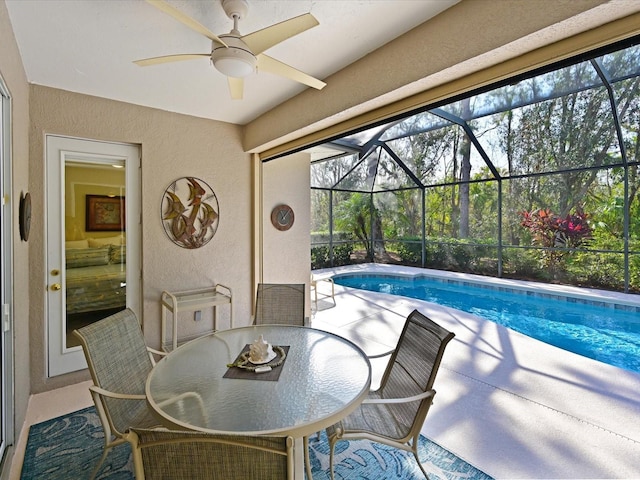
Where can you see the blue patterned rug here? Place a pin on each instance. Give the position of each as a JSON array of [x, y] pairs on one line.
[[68, 447]]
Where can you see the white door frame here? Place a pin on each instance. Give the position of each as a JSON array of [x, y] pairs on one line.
[[6, 253], [59, 149]]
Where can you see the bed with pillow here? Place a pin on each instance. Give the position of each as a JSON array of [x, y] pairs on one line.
[[95, 274]]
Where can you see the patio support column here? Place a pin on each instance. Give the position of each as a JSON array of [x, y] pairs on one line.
[[424, 227], [499, 227], [258, 208], [602, 73], [371, 239], [331, 228]]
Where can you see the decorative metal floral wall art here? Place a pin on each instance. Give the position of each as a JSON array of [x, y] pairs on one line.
[[190, 212]]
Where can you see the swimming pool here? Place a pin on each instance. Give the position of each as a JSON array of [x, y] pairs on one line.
[[604, 333]]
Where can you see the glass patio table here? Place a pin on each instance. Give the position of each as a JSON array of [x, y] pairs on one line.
[[322, 379]]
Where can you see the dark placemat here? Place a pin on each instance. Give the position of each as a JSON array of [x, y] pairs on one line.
[[242, 373]]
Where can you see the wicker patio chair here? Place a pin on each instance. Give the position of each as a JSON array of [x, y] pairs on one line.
[[313, 285], [119, 362], [280, 303], [170, 454], [394, 414]]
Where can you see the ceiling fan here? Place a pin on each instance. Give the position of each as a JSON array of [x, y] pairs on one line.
[[236, 55]]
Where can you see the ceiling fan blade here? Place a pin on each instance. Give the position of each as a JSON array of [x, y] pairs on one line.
[[186, 20], [145, 62], [236, 87], [271, 65], [261, 40]]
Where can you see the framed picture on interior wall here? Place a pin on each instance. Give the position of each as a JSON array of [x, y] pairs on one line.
[[105, 213]]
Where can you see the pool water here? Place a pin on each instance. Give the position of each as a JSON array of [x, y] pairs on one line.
[[605, 334]]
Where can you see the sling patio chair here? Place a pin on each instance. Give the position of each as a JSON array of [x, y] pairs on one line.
[[160, 454], [119, 362], [394, 413], [280, 303], [283, 304]]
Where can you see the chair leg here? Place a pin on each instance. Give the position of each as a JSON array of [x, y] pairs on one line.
[[414, 449], [415, 454], [96, 469], [332, 444], [307, 462], [108, 444]]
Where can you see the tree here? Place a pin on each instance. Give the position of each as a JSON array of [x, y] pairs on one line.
[[354, 215], [465, 175]]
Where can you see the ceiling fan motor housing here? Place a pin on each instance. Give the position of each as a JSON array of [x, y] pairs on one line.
[[235, 8], [236, 61]]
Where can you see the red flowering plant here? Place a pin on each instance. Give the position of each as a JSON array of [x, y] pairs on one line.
[[558, 234]]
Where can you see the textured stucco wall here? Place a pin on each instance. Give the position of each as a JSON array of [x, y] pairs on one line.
[[12, 72], [287, 254], [172, 146]]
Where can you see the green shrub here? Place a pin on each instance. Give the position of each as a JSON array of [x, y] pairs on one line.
[[324, 237], [410, 250], [581, 267], [342, 254], [523, 264], [598, 270], [634, 273], [460, 256], [450, 255], [319, 257]]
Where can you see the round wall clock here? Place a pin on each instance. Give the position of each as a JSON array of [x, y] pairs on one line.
[[282, 217], [24, 213]]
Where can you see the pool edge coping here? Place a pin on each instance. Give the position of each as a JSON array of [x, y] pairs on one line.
[[603, 298]]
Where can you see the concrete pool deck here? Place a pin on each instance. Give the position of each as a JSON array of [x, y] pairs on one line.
[[511, 405]]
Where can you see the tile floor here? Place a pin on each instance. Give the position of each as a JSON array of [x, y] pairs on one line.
[[510, 405]]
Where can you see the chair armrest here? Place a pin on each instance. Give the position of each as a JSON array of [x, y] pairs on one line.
[[380, 355], [184, 396], [225, 287], [156, 352], [414, 398], [153, 351], [314, 281], [121, 396]]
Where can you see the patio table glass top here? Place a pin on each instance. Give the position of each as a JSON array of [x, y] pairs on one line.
[[322, 379]]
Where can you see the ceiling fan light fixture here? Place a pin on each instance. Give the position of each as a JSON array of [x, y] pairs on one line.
[[234, 62]]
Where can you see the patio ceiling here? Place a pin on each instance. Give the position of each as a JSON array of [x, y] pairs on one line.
[[88, 47]]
